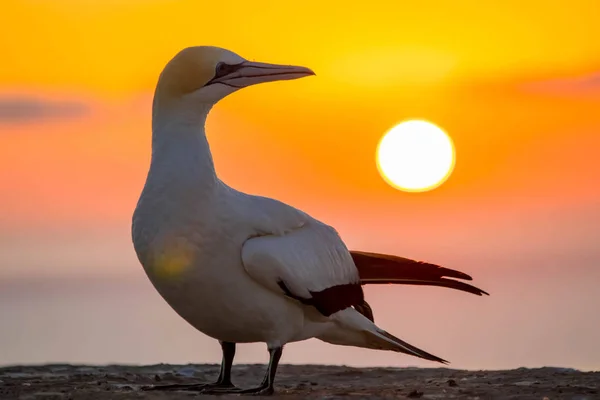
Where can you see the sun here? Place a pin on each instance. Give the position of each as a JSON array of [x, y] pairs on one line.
[[415, 156]]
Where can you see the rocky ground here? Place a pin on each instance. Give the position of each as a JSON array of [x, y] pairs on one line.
[[299, 381]]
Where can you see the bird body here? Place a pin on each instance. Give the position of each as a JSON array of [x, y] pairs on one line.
[[243, 268], [218, 260], [197, 267]]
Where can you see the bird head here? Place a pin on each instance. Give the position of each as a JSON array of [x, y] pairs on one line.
[[208, 74]]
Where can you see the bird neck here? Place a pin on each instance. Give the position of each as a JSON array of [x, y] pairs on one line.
[[181, 156]]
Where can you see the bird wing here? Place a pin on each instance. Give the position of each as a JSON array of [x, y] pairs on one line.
[[310, 264]]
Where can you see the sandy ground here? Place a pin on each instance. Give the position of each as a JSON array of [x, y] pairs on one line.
[[299, 381]]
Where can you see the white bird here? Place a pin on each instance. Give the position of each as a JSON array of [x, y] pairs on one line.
[[243, 268]]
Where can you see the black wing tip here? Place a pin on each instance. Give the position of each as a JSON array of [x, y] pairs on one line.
[[443, 271], [448, 272], [442, 282], [479, 292]]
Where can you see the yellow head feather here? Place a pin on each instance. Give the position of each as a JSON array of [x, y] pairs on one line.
[[191, 69]]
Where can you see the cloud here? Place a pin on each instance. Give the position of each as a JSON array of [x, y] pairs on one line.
[[23, 110], [588, 84]]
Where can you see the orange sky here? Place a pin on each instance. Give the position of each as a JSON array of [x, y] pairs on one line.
[[514, 84]]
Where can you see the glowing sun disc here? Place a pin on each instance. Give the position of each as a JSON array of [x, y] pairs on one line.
[[415, 156]]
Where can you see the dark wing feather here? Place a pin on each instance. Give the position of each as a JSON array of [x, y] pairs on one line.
[[376, 268]]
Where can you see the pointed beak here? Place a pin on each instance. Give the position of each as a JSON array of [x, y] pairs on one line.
[[250, 73]]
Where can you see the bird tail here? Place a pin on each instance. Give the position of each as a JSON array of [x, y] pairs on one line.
[[376, 268], [354, 329]]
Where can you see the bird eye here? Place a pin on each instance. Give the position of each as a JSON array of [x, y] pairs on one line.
[[223, 69]]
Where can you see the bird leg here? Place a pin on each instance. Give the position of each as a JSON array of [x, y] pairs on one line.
[[265, 388], [223, 381]]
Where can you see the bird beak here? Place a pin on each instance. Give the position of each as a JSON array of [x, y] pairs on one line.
[[250, 73]]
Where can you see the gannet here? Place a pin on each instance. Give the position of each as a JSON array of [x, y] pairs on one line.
[[242, 268]]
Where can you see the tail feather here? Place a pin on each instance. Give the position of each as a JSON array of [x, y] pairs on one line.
[[406, 348], [352, 322], [376, 268]]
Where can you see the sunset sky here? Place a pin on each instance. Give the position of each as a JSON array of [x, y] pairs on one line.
[[516, 84]]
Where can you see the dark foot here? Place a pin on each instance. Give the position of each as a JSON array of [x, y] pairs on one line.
[[257, 391], [269, 391], [198, 387]]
